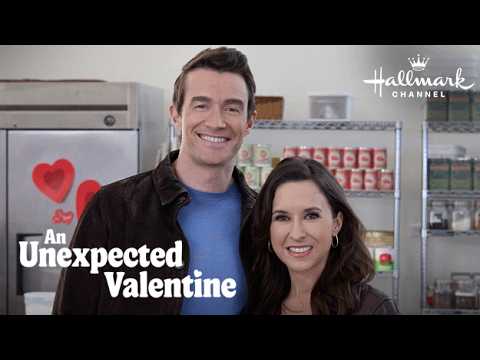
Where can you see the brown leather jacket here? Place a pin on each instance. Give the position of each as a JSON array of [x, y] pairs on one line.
[[140, 210]]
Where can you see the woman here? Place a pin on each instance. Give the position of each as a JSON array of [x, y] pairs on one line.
[[306, 252]]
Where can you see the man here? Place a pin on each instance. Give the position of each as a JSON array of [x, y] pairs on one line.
[[195, 195]]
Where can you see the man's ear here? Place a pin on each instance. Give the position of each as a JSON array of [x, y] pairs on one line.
[[250, 122], [175, 117]]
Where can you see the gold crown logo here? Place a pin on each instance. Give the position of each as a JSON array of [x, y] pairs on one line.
[[418, 65]]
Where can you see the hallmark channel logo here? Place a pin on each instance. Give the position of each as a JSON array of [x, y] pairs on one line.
[[404, 81]]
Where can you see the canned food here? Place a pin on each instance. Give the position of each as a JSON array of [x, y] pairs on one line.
[[264, 172], [320, 155], [379, 158], [343, 177], [245, 155], [349, 157], [356, 179], [262, 155], [386, 180], [461, 174], [305, 152], [252, 176], [365, 158], [476, 174], [371, 179], [290, 151], [334, 157]]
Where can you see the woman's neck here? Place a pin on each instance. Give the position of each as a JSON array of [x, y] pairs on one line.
[[301, 286]]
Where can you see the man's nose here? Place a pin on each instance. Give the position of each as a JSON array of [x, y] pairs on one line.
[[215, 118]]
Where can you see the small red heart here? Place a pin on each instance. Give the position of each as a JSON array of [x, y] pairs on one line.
[[54, 180], [56, 219], [85, 191], [68, 217]]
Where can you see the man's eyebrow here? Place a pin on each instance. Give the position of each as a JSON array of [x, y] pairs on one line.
[[200, 98], [233, 101]]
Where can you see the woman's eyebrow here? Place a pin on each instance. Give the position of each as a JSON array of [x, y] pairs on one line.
[[279, 212], [313, 208]]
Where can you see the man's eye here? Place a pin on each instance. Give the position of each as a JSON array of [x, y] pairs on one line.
[[200, 106], [312, 216], [233, 109]]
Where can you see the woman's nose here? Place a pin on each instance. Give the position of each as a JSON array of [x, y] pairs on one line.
[[297, 231]]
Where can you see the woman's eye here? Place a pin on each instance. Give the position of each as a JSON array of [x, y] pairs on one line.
[[280, 218], [312, 216]]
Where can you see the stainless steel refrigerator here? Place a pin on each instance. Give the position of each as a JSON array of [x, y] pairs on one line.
[[59, 143]]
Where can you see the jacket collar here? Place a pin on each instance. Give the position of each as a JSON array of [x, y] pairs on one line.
[[168, 187]]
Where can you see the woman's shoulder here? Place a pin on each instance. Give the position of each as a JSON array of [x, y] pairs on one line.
[[375, 302]]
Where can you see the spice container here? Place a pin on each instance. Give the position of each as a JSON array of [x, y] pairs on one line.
[[461, 216], [465, 295], [443, 295], [438, 215]]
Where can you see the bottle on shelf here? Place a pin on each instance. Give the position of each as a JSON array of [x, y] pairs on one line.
[[461, 216], [438, 216]]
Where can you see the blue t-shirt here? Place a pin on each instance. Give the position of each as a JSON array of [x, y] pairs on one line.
[[211, 223]]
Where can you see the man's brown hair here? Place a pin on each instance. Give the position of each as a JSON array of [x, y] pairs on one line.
[[221, 59]]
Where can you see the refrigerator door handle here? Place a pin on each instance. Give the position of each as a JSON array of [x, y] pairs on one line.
[[20, 237]]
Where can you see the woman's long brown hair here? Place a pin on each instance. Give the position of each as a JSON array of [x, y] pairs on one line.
[[348, 265]]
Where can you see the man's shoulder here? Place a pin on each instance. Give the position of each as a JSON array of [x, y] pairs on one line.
[[129, 184], [130, 190], [374, 301]]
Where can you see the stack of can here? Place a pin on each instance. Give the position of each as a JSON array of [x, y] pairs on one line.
[[361, 168], [255, 161]]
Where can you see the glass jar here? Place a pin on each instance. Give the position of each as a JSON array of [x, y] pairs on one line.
[[443, 295], [438, 215], [476, 216], [461, 216], [465, 295]]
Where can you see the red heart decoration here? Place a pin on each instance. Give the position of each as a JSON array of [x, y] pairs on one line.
[[85, 191], [60, 217], [56, 219], [68, 217], [55, 181]]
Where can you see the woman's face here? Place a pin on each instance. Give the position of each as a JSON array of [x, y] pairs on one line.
[[302, 226]]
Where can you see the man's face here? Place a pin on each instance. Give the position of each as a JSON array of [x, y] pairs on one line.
[[214, 119]]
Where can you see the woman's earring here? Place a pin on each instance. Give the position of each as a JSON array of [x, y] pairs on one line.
[[269, 246], [335, 244]]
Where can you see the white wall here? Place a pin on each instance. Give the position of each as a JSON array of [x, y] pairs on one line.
[[289, 71]]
